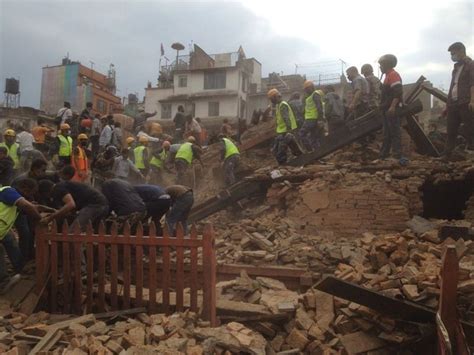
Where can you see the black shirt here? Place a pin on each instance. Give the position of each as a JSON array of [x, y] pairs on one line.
[[82, 194], [122, 197], [179, 120], [149, 192]]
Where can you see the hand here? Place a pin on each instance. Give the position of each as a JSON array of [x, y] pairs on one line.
[[46, 220], [391, 111]]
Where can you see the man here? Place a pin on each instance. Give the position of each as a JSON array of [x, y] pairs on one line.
[[297, 107], [157, 203], [117, 136], [90, 204], [360, 93], [106, 134], [64, 143], [334, 109], [182, 200], [460, 105], [28, 152], [6, 167], [13, 149], [95, 134], [187, 152], [39, 133], [124, 201], [157, 162], [102, 165], [312, 130], [64, 114], [140, 156], [285, 124], [391, 101], [87, 112], [374, 86], [179, 124], [123, 167], [193, 129], [13, 200], [230, 156], [226, 129], [141, 118], [79, 159]]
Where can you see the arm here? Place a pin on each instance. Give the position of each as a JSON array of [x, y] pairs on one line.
[[27, 207], [134, 168], [319, 105], [355, 99], [285, 114], [222, 150], [150, 138], [69, 205]]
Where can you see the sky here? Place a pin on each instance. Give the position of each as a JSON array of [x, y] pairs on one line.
[[279, 34]]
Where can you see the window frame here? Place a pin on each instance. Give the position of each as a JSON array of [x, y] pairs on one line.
[[211, 108], [215, 80], [162, 106]]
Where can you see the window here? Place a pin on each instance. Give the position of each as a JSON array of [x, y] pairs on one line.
[[213, 109], [183, 81], [101, 106], [215, 80], [165, 110], [245, 82]]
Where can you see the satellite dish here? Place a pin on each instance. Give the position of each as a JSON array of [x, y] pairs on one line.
[[177, 46]]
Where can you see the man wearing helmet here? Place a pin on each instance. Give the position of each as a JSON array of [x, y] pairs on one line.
[[391, 101], [158, 159], [13, 149], [140, 155], [64, 145], [311, 132], [460, 106], [79, 159], [374, 86], [285, 124], [185, 155]]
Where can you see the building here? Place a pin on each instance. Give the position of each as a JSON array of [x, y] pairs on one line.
[[211, 87], [77, 84]]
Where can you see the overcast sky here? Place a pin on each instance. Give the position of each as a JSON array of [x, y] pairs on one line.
[[279, 34]]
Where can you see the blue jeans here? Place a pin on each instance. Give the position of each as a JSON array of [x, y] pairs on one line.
[[310, 135], [14, 254], [179, 212], [229, 168], [392, 139]]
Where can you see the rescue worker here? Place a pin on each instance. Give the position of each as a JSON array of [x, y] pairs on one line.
[[157, 162], [360, 93], [157, 203], [12, 201], [311, 132], [391, 102], [230, 156], [374, 86], [140, 155], [64, 145], [182, 200], [285, 124], [13, 149], [185, 155], [79, 159]]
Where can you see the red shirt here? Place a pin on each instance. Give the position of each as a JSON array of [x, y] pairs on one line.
[[392, 78]]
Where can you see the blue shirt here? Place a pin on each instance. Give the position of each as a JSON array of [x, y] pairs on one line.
[[9, 196]]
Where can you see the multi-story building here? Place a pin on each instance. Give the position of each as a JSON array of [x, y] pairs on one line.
[[211, 87], [77, 84]]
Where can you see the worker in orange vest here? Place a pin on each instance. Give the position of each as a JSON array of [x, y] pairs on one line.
[[79, 159]]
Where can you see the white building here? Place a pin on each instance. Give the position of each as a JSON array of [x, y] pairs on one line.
[[211, 87]]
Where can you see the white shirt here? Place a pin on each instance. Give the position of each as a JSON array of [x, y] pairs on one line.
[[105, 136], [454, 92], [25, 140], [150, 138], [194, 126], [67, 114]]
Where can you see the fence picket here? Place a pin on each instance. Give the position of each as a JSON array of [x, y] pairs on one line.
[[152, 271], [179, 270], [101, 276], [126, 267], [165, 283], [113, 268], [76, 231], [139, 266], [209, 275], [66, 270], [194, 273], [90, 270]]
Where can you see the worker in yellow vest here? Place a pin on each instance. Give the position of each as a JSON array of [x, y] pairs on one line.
[[285, 126], [64, 144], [14, 200], [187, 152], [79, 159], [230, 156], [313, 128], [158, 163], [140, 155], [12, 148]]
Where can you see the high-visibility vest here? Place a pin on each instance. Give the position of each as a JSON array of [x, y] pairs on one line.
[[185, 152], [158, 161], [310, 109], [82, 164], [8, 216], [230, 148], [65, 146], [280, 122], [13, 153], [138, 153]]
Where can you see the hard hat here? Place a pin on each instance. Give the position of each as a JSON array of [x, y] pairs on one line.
[[191, 139], [366, 68], [307, 84], [388, 59], [320, 92], [143, 139], [130, 140], [9, 133], [272, 93], [64, 126], [166, 144], [82, 136]]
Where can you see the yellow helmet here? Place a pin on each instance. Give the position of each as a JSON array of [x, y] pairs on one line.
[[307, 84], [82, 136], [64, 126], [191, 139], [143, 139], [9, 133], [130, 140], [320, 92], [272, 93]]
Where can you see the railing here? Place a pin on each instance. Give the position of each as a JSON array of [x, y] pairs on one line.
[[64, 260]]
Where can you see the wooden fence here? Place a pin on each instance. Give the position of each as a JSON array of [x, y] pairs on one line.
[[66, 260]]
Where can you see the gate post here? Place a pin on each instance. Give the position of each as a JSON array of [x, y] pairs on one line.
[[209, 276]]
